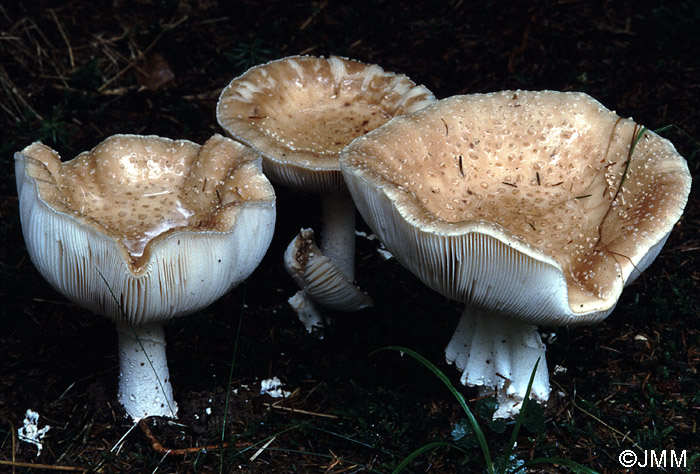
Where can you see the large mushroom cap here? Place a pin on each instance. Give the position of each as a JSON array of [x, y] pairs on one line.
[[164, 226], [531, 204], [301, 111]]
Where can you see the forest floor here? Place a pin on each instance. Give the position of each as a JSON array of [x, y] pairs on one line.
[[75, 72]]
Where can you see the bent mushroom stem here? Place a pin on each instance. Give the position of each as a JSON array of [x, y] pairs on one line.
[[144, 380], [496, 352], [338, 245], [338, 233], [308, 313]]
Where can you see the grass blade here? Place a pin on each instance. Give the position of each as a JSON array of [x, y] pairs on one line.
[[679, 130], [519, 421], [230, 378], [436, 444], [557, 462], [639, 133], [460, 398]]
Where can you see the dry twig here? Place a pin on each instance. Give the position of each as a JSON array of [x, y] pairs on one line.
[[159, 448], [51, 467], [300, 411]]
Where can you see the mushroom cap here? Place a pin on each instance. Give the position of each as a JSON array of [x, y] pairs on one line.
[[144, 228], [524, 203], [300, 111]]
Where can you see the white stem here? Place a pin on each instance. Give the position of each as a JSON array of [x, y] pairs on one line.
[[144, 380], [499, 353], [338, 233]]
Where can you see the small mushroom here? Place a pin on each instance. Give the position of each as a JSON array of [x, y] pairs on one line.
[[143, 229], [531, 208], [299, 112], [319, 277]]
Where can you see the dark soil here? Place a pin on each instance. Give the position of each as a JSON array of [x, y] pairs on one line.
[[73, 73]]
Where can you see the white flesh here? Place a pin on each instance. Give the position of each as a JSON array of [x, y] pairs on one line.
[[338, 234], [144, 380], [498, 354]]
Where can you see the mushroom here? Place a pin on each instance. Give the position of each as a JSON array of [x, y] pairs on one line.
[[317, 275], [531, 208], [299, 112], [142, 229]]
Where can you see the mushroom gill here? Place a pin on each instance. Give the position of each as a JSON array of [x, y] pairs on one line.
[[530, 208], [143, 229], [300, 111]]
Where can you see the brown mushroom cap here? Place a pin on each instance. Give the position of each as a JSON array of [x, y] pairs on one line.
[[300, 111], [488, 197], [167, 223]]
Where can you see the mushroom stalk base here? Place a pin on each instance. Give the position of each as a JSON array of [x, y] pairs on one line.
[[498, 353], [338, 233], [308, 313], [144, 380]]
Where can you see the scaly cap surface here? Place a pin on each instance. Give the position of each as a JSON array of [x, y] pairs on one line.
[[170, 225], [300, 111], [525, 203]]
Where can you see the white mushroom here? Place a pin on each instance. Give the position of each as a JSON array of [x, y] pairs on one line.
[[528, 207], [299, 112], [143, 229]]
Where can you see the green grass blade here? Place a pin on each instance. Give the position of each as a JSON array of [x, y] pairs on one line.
[[519, 421], [637, 137], [679, 130], [349, 439], [230, 378], [436, 444], [639, 133], [460, 398], [557, 462]]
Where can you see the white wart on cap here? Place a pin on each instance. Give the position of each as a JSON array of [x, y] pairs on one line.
[[142, 229], [300, 112], [526, 205]]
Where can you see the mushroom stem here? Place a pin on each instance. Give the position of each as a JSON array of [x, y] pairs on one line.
[[496, 352], [338, 233], [144, 380]]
